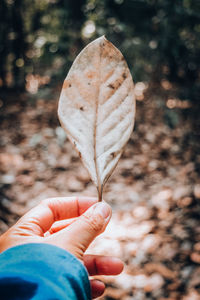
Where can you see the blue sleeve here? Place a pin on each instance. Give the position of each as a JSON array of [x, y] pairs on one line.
[[42, 272]]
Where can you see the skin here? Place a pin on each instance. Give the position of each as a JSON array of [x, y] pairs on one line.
[[71, 223]]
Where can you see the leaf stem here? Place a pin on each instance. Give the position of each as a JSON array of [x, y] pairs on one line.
[[100, 192]]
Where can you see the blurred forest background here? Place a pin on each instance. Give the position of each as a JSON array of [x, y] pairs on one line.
[[160, 39], [155, 190]]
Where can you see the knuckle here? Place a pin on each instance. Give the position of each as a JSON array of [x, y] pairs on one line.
[[53, 205], [95, 222]]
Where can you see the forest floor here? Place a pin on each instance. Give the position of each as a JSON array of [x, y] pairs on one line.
[[154, 191]]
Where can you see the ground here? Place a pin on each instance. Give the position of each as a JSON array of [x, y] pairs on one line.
[[154, 191]]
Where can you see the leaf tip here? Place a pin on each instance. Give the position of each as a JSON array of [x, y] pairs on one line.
[[102, 39]]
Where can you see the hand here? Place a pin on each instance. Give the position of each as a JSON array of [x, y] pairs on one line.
[[84, 219]]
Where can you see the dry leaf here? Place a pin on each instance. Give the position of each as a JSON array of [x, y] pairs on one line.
[[97, 108]]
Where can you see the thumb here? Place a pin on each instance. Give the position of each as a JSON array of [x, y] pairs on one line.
[[77, 237]]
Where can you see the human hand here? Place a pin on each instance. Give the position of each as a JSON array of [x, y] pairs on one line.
[[84, 219]]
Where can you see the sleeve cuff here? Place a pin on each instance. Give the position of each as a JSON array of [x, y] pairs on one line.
[[56, 273]]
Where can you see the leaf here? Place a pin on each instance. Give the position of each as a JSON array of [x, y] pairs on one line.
[[97, 108]]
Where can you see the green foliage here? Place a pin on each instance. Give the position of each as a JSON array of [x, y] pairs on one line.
[[160, 39]]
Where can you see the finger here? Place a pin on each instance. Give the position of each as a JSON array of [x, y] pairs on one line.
[[103, 265], [77, 237], [97, 288], [54, 209], [59, 225]]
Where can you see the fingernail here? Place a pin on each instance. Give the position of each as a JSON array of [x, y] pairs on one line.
[[103, 209]]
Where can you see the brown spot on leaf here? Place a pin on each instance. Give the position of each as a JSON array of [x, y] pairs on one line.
[[90, 74], [113, 154], [66, 84], [111, 86]]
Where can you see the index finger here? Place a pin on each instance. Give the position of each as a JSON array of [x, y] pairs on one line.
[[102, 265], [55, 209]]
